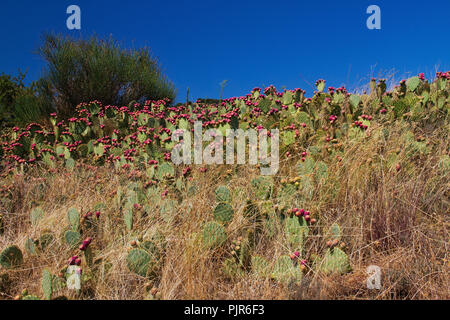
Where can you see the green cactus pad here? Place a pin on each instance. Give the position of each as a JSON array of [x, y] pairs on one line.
[[70, 163], [36, 215], [74, 218], [263, 187], [223, 194], [45, 240], [165, 169], [335, 231], [296, 231], [413, 83], [46, 284], [303, 117], [284, 271], [213, 235], [99, 150], [11, 257], [232, 269], [128, 218], [335, 261], [306, 167], [140, 262], [321, 170], [260, 266], [354, 101], [223, 212], [30, 297], [30, 246], [72, 238], [288, 137], [152, 248]]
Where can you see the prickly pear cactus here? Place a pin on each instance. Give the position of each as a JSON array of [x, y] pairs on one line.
[[74, 218], [321, 171], [128, 218], [153, 248], [213, 235], [263, 187], [140, 262], [305, 167], [285, 271], [413, 83], [232, 269], [223, 194], [335, 261], [11, 257], [30, 246], [46, 284], [45, 240], [223, 212], [72, 238], [36, 215], [296, 230], [354, 101], [165, 170], [260, 267], [335, 231]]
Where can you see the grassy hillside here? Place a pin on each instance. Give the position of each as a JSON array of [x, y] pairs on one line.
[[363, 180]]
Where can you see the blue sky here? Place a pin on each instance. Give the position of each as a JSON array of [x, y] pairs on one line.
[[249, 43]]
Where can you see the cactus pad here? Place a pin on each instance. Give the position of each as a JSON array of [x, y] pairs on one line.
[[165, 170], [335, 261], [72, 238], [45, 240], [260, 266], [140, 262], [213, 234], [305, 167], [11, 257], [263, 187], [285, 272], [74, 218], [223, 194], [223, 212], [296, 231], [46, 284], [30, 246], [36, 215], [413, 83]]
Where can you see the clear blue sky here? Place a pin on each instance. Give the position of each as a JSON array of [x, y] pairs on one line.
[[249, 43]]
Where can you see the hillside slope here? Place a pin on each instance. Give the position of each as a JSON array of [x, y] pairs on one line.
[[362, 180]]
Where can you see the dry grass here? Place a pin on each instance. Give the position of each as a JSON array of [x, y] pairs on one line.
[[396, 220]]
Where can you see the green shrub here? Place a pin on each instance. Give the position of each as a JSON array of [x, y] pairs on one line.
[[20, 104], [85, 70]]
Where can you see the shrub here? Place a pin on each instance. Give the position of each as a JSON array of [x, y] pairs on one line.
[[20, 104], [84, 70]]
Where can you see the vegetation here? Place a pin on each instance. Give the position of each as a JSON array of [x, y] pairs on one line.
[[84, 70], [93, 208], [20, 104]]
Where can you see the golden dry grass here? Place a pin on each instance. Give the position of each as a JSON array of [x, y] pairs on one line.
[[397, 220]]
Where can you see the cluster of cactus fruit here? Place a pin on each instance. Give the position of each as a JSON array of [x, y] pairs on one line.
[[136, 136]]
